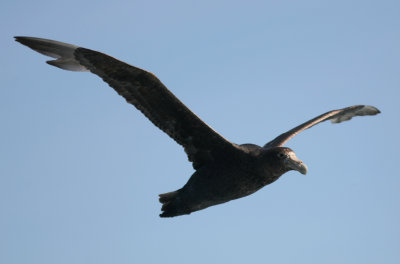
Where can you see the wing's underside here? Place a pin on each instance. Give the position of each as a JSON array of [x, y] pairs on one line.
[[336, 116], [146, 92]]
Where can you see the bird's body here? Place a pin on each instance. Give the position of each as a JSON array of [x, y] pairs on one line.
[[224, 180], [223, 170]]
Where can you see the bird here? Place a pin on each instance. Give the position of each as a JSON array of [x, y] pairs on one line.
[[223, 170]]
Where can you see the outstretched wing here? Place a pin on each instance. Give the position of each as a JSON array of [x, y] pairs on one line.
[[146, 92], [336, 116]]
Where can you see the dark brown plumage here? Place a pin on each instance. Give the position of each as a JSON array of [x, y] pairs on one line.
[[223, 170]]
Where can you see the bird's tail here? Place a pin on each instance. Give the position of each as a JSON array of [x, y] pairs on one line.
[[172, 205]]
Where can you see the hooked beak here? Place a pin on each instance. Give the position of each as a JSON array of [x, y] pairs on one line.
[[294, 163]]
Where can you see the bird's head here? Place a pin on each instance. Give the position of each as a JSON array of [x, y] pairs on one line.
[[282, 159]]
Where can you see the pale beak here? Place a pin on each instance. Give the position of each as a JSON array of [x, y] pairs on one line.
[[294, 163]]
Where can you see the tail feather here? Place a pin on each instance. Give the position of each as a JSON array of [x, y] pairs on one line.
[[62, 52], [172, 205]]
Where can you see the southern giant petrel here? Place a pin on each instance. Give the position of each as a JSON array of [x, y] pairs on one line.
[[223, 170]]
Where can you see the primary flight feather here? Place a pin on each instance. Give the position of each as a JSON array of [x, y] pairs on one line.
[[223, 170]]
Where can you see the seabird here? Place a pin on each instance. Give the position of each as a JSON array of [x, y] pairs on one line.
[[223, 170]]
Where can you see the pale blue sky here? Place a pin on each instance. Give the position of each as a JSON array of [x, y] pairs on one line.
[[81, 170]]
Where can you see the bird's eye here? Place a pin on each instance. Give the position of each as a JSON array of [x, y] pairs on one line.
[[281, 155]]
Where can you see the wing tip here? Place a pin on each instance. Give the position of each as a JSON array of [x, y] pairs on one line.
[[372, 110], [26, 40], [61, 51], [20, 39], [359, 110]]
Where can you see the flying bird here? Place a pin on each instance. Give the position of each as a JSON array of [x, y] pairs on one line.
[[223, 170]]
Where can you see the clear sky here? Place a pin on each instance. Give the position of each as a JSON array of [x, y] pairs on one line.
[[81, 170]]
